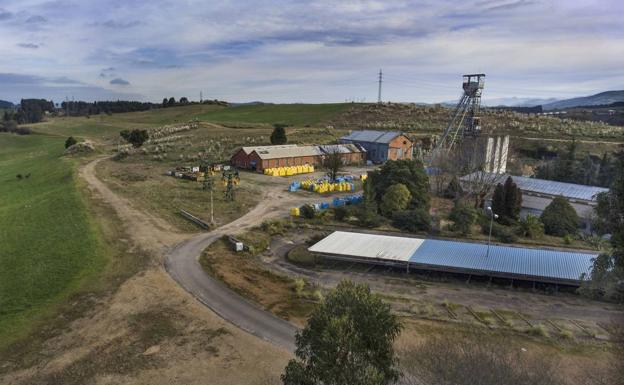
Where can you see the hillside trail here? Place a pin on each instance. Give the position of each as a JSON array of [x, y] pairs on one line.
[[202, 347]]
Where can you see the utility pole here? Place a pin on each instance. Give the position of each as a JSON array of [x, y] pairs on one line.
[[209, 185], [201, 97], [379, 90]]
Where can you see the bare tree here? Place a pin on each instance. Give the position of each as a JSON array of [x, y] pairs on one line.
[[468, 162], [333, 162]]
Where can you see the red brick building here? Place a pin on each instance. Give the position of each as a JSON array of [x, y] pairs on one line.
[[261, 157]]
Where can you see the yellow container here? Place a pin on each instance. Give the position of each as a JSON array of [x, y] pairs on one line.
[[311, 168], [299, 169], [281, 171], [294, 211]]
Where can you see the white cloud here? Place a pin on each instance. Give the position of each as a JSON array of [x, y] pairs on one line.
[[321, 50]]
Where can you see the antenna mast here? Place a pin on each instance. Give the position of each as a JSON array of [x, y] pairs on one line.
[[379, 89]]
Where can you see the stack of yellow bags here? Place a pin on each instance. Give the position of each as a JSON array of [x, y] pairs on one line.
[[289, 170]]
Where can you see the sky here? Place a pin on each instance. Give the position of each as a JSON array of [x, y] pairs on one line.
[[308, 51]]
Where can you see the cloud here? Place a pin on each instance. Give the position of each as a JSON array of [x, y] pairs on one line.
[[512, 5], [28, 45], [5, 15], [320, 50], [120, 82], [120, 24], [21, 86], [36, 19]]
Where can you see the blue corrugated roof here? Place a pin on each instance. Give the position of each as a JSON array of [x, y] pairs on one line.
[[465, 257], [543, 186], [520, 261], [372, 136]]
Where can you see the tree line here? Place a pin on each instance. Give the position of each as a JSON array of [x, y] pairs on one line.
[[569, 167], [29, 111], [80, 108]]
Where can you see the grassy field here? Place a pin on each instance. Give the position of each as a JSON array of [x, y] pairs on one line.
[[291, 114], [49, 242], [105, 127]]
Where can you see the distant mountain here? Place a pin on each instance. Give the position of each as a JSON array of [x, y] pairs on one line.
[[602, 98], [5, 104], [517, 102]]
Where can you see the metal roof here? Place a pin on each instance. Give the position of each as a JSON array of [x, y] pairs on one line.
[[249, 149], [341, 148], [543, 186], [518, 261], [466, 257], [371, 136], [368, 246], [273, 152]]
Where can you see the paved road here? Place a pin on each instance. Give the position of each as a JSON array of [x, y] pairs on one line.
[[182, 264]]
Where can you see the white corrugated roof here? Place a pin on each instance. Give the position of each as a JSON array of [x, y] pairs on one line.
[[249, 149], [368, 246], [523, 262], [543, 186], [273, 152]]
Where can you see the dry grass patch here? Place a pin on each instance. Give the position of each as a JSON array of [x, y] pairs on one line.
[[244, 274]]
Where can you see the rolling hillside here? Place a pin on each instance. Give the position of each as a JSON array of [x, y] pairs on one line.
[[602, 98]]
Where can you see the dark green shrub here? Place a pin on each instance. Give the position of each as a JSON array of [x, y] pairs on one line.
[[463, 218], [340, 213], [70, 142], [560, 218], [531, 227], [307, 211], [454, 189], [412, 220]]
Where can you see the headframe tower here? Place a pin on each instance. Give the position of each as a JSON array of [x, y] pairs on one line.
[[465, 122]]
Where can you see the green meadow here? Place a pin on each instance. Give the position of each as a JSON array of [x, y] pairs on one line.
[[48, 243]]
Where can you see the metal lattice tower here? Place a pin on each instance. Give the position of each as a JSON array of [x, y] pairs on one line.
[[465, 121]]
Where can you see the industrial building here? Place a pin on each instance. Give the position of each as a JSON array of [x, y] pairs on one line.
[[515, 263], [381, 146], [260, 157], [538, 193], [350, 153]]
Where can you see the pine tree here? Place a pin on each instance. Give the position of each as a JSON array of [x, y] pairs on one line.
[[498, 200], [278, 136], [512, 200]]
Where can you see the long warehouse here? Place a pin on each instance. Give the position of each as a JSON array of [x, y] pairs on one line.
[[537, 265]]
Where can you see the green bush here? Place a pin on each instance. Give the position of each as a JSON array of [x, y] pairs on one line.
[[368, 218], [454, 189], [340, 213], [501, 232], [505, 235], [70, 142], [307, 211], [412, 220], [463, 218], [396, 198], [273, 227], [531, 227], [560, 218]]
